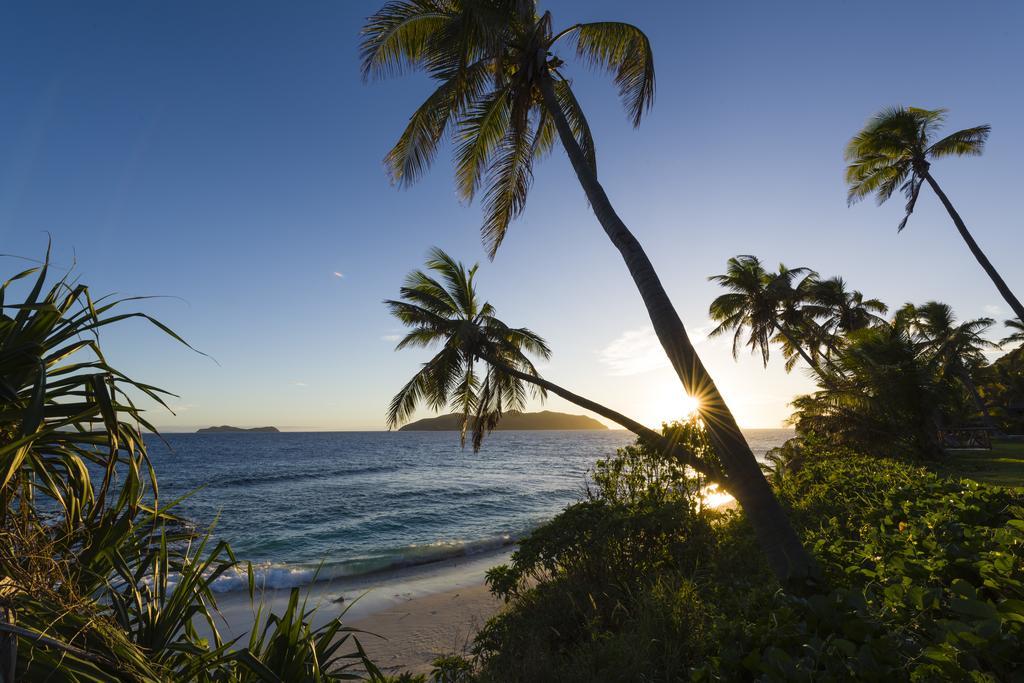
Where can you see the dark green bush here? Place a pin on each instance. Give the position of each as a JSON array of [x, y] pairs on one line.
[[925, 576]]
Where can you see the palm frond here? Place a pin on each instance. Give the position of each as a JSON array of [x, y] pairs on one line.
[[966, 142], [912, 188], [399, 36], [478, 136], [509, 178], [622, 49], [416, 148]]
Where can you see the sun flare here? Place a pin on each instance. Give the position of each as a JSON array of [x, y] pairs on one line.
[[668, 403]]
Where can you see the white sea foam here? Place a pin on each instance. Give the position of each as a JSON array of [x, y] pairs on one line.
[[275, 576]]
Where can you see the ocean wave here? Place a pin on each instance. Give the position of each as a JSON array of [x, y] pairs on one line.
[[241, 482], [274, 575]]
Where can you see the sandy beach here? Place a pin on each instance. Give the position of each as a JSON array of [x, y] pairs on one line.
[[411, 615]]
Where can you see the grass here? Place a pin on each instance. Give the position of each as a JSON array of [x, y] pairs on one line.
[[1002, 466]]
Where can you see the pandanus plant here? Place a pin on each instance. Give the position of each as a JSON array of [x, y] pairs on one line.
[[483, 368], [99, 581], [503, 97]]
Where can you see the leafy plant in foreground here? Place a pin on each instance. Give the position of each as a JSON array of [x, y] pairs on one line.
[[99, 581]]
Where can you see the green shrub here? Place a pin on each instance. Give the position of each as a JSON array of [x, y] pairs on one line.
[[925, 576]]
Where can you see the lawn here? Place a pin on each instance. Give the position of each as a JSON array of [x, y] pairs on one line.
[[1003, 465]]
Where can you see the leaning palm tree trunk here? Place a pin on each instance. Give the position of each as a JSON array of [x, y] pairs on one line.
[[652, 437], [1007, 295], [744, 479]]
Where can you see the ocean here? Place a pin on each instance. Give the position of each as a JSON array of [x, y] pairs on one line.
[[323, 505]]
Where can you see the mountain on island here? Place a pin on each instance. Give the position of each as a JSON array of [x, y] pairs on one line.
[[228, 428], [545, 419]]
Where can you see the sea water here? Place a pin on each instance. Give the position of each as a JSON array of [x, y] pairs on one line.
[[323, 505]]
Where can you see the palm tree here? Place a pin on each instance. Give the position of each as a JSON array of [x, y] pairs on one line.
[[955, 349], [843, 311], [1018, 332], [503, 98], [894, 151], [883, 397], [442, 308], [765, 305]]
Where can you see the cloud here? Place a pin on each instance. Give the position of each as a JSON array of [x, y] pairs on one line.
[[299, 384], [337, 274], [391, 337], [635, 352], [182, 407], [993, 311]]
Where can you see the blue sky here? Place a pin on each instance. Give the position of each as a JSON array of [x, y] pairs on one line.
[[228, 154]]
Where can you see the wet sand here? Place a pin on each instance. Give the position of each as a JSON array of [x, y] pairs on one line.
[[411, 615]]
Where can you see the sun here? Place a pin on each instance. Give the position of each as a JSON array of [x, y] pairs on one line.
[[667, 403], [690, 405]]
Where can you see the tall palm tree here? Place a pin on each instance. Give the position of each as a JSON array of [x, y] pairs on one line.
[[1017, 336], [764, 305], [895, 149], [483, 368], [503, 97], [954, 349]]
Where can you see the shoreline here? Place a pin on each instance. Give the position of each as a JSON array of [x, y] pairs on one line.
[[411, 615]]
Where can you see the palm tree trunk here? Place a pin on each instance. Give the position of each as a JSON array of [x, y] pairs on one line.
[[785, 553], [1008, 296], [653, 438]]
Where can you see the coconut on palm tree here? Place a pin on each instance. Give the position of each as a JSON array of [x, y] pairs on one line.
[[895, 151], [503, 97], [483, 367]]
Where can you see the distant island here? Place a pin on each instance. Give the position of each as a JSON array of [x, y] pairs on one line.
[[228, 428], [545, 419]]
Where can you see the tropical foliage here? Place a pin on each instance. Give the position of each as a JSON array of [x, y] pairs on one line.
[[1001, 385], [497, 79], [99, 581], [885, 386], [482, 368], [926, 583], [502, 95], [443, 308], [1017, 334], [895, 150]]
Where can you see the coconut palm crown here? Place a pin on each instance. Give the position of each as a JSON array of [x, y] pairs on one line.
[[763, 304], [492, 60], [953, 345], [843, 311], [895, 151], [442, 308]]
